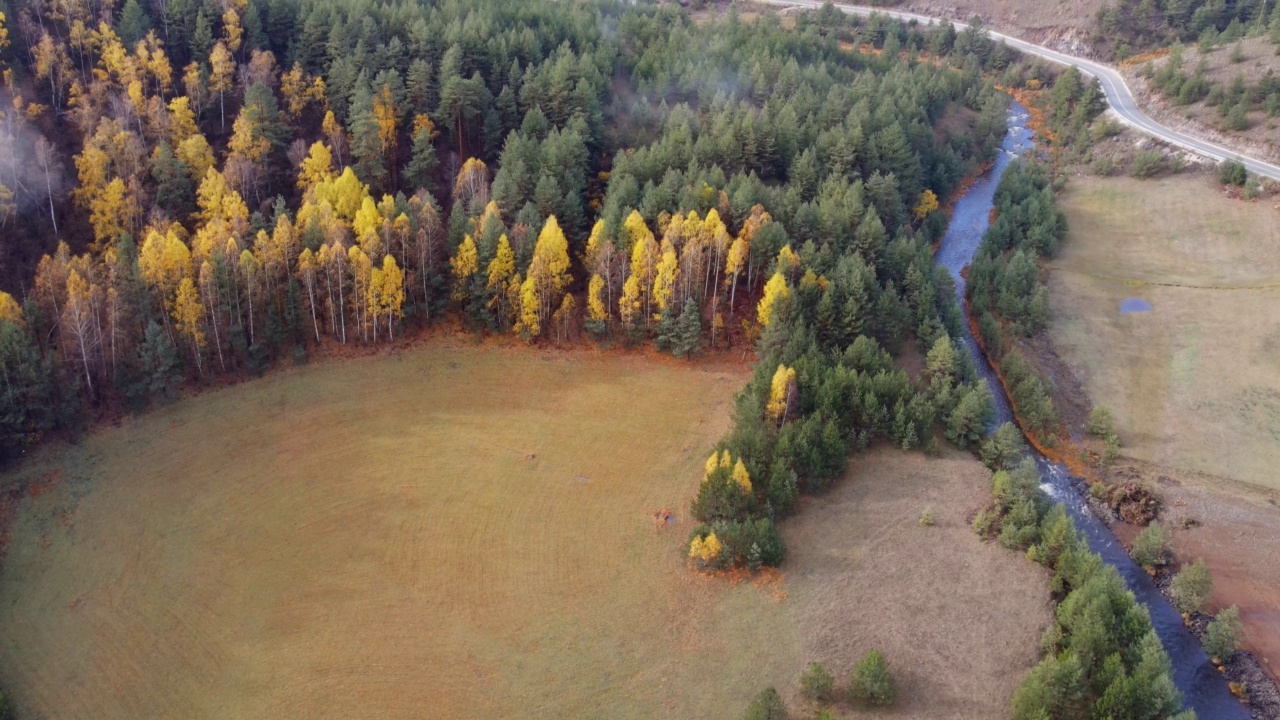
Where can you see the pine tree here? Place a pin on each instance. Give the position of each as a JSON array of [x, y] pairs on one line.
[[420, 170], [134, 23], [688, 331]]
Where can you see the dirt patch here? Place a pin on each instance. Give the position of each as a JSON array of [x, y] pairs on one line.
[[1065, 25], [957, 618], [1238, 536]]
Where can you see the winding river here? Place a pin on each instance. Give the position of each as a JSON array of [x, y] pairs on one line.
[[1203, 688]]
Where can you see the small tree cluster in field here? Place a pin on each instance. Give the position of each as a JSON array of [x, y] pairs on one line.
[[816, 683], [1150, 546], [767, 705], [926, 518], [1223, 634], [1100, 423], [871, 682], [1192, 587]]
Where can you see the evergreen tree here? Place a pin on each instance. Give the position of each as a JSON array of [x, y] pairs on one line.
[[134, 23]]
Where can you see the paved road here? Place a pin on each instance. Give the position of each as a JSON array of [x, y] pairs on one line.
[[1119, 96]]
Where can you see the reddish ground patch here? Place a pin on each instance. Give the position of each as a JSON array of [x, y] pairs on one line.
[[1238, 535]]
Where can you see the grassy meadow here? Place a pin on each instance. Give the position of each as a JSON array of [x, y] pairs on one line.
[[467, 532], [1194, 384]]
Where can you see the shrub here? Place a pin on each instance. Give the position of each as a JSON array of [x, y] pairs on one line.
[[1148, 164], [1238, 117], [1223, 636], [1111, 450], [1149, 547], [1100, 422], [871, 681], [1191, 587], [1102, 167], [926, 518], [1232, 172], [767, 706], [817, 683]]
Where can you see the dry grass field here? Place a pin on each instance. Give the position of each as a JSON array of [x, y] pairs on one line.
[[461, 532], [1195, 383]]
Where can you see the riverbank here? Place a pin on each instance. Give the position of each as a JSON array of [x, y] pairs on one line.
[[1203, 688]]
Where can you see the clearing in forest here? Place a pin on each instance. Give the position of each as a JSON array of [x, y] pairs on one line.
[[463, 532]]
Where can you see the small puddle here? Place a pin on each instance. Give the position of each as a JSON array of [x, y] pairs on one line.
[[1134, 305]]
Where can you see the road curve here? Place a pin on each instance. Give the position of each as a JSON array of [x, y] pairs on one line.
[[1117, 91]]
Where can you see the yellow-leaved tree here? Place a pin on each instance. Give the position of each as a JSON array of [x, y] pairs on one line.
[[742, 477], [188, 318], [316, 167], [782, 394], [10, 310], [645, 255], [928, 203], [307, 274], [665, 277], [501, 269], [548, 276], [597, 310], [774, 291], [713, 462], [705, 550], [528, 325], [788, 261], [464, 263]]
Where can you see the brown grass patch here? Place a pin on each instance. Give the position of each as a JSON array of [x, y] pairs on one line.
[[456, 532], [1195, 384], [958, 619]]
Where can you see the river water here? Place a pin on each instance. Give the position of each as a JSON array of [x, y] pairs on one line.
[[1203, 687]]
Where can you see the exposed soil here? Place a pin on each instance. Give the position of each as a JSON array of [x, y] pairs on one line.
[[1237, 535]]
